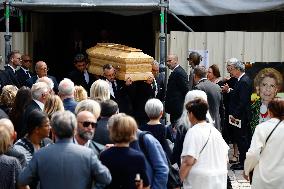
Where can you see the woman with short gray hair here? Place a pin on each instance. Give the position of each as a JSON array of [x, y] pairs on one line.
[[154, 110]]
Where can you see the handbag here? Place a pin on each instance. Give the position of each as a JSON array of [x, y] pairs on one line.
[[251, 172]]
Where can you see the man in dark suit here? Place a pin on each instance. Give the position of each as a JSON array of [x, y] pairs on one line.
[[80, 76], [53, 164], [108, 108], [213, 92], [24, 73], [159, 81], [239, 107], [40, 92], [177, 88], [10, 69], [119, 90], [41, 71]]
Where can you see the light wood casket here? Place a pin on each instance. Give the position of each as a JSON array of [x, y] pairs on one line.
[[128, 61]]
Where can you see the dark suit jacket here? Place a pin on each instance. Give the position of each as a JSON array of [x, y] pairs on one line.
[[12, 77], [140, 93], [4, 79], [69, 104], [102, 134], [79, 79], [29, 83], [122, 97], [177, 88], [3, 114], [240, 96], [161, 86], [214, 97], [22, 76]]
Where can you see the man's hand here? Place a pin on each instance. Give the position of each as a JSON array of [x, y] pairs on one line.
[[150, 80], [128, 81], [225, 88]]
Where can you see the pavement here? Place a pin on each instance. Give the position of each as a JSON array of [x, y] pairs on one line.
[[236, 176]]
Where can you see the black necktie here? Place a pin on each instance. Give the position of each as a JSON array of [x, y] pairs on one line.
[[113, 87]]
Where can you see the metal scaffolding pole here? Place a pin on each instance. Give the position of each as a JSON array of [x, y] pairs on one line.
[[7, 35], [162, 36]]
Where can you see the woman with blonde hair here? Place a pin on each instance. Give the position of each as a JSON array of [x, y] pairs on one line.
[[268, 82], [100, 90], [53, 104], [124, 162], [7, 98], [9, 166], [80, 93]]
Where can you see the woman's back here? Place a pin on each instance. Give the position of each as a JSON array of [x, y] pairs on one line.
[[10, 168], [124, 163], [159, 132], [270, 169]]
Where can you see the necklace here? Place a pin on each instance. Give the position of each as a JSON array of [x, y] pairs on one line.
[[263, 113]]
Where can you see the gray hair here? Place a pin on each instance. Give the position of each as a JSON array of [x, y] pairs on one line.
[[63, 124], [191, 95], [89, 105], [46, 80], [38, 89], [66, 87], [100, 89], [236, 63], [200, 71], [153, 108], [156, 63]]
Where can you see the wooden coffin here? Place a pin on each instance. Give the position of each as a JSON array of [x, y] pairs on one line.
[[128, 61]]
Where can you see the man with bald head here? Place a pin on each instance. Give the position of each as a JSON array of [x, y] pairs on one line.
[[41, 71], [86, 125], [177, 88], [7, 124]]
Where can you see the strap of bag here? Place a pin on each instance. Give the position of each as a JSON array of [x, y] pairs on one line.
[[205, 143], [273, 131], [270, 135]]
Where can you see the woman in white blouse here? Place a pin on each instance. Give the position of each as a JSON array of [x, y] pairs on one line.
[[266, 157], [205, 153]]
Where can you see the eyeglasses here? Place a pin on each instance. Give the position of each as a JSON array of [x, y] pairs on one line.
[[88, 123]]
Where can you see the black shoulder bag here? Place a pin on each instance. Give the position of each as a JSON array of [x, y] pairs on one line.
[[251, 172]]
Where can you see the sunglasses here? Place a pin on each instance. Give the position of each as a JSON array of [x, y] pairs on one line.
[[88, 123]]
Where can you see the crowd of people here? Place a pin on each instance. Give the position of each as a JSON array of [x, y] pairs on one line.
[[99, 132]]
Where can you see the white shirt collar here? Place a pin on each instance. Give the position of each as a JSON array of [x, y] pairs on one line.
[[24, 69], [241, 76], [41, 105], [176, 67], [14, 70], [86, 144]]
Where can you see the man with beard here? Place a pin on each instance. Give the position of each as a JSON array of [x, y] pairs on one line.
[[87, 123]]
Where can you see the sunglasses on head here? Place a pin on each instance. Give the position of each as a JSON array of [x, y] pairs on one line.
[[88, 123]]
